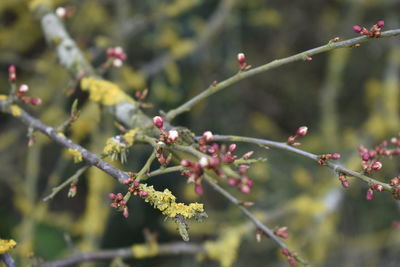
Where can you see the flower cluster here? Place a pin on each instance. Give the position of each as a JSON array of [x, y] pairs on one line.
[[375, 30], [116, 55], [118, 202], [241, 58], [370, 191], [166, 137], [395, 182], [216, 156], [291, 256], [301, 131]]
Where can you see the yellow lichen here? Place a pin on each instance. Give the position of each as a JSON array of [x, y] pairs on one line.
[[141, 251], [225, 248], [166, 202], [118, 145], [15, 110], [76, 155], [60, 134], [3, 97], [104, 92], [6, 245]]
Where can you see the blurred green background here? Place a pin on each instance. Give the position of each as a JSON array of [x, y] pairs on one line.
[[176, 49]]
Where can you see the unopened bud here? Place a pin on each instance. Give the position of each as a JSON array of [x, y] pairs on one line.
[[198, 189], [335, 156], [173, 135], [302, 131], [117, 63], [112, 196], [232, 147], [208, 136], [23, 88], [357, 28], [376, 166], [186, 163], [380, 23], [369, 195], [378, 187], [61, 12], [126, 212], [158, 122], [203, 161], [241, 58], [35, 101]]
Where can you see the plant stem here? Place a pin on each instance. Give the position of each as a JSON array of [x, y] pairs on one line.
[[212, 89], [283, 146]]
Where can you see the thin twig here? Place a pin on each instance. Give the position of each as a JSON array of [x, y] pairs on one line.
[[178, 248], [212, 89], [73, 178], [142, 174], [283, 146], [265, 229]]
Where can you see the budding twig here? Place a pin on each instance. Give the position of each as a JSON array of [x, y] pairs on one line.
[[212, 89]]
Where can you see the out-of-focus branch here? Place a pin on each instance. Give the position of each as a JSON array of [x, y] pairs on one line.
[[211, 28], [283, 146], [7, 259], [262, 227], [179, 248], [241, 75]]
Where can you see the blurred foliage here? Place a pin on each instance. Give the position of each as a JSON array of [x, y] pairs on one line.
[[176, 48]]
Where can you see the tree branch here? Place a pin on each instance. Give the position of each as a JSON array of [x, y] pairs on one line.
[[241, 75], [283, 146], [178, 248], [88, 156], [8, 260]]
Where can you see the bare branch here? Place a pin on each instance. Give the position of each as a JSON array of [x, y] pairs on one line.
[[241, 75], [178, 248]]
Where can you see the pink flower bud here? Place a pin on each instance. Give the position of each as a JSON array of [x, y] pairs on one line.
[[143, 194], [245, 189], [357, 28], [292, 261], [117, 63], [23, 88], [370, 194], [376, 166], [186, 163], [302, 131], [61, 12], [126, 212], [365, 156], [233, 181], [208, 136], [248, 155], [173, 135], [12, 76], [203, 161], [35, 101], [380, 23], [158, 122], [378, 187], [345, 183], [198, 189], [120, 196], [335, 156], [112, 196], [232, 147], [122, 202], [241, 58], [136, 183], [285, 251]]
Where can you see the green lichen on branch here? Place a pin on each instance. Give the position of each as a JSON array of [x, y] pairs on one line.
[[104, 92]]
